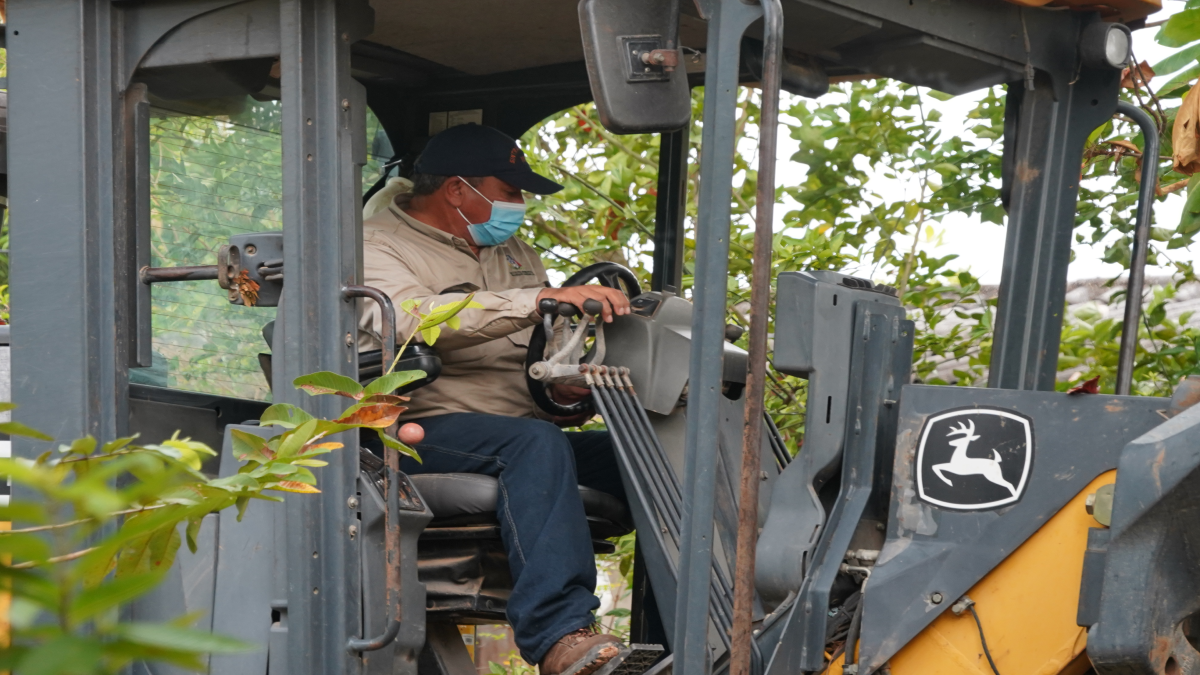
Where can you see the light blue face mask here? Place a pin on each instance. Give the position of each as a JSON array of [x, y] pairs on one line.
[[506, 219]]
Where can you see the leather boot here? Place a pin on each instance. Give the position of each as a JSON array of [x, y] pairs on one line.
[[581, 652]]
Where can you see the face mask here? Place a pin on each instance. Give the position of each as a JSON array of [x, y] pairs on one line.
[[506, 219]]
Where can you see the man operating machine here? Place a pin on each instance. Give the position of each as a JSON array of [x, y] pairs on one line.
[[451, 238]]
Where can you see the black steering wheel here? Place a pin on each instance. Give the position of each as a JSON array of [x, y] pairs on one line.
[[609, 274]]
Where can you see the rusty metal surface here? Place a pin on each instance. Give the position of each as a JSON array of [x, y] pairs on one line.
[[1186, 395], [744, 656]]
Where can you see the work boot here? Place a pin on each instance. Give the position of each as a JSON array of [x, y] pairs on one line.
[[581, 652]]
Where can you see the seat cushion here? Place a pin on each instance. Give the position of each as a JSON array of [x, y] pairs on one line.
[[470, 498]]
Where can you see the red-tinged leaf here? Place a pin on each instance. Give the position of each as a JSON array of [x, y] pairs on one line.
[[379, 416], [1091, 386], [320, 448], [247, 446], [294, 486]]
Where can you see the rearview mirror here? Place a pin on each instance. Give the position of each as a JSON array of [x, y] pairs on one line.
[[634, 64]]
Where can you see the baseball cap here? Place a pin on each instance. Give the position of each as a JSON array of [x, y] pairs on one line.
[[475, 150]]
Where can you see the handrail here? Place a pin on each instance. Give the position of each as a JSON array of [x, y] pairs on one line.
[[153, 275], [391, 522], [388, 313], [1141, 244]]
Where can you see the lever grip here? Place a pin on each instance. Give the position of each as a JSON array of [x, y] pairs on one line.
[[592, 306], [547, 306], [567, 310]]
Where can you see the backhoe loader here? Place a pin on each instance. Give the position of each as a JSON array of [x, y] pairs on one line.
[[919, 530]]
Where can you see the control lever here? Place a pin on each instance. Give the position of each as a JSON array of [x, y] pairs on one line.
[[272, 270], [563, 364], [592, 308]]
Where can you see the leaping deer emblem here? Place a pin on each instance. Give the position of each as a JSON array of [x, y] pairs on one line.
[[961, 465]]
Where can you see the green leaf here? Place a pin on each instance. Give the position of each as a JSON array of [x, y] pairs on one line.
[[193, 530], [18, 429], [1189, 217], [80, 446], [941, 96], [63, 655], [112, 446], [1180, 59], [1182, 28], [242, 502], [393, 381], [151, 552], [439, 314], [430, 335], [5, 407], [326, 382], [113, 593], [178, 638], [296, 439], [284, 415]]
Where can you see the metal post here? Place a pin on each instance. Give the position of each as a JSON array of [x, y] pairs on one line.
[[760, 296], [324, 147], [667, 272], [1141, 244], [69, 360], [727, 21], [1054, 120]]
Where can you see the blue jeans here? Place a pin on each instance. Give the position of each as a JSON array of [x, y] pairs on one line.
[[542, 522]]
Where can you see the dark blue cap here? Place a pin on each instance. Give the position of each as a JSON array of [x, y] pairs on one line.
[[474, 150]]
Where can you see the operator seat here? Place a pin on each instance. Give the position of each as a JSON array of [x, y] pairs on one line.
[[460, 556]]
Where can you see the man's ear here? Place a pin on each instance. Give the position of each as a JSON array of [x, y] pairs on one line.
[[455, 192]]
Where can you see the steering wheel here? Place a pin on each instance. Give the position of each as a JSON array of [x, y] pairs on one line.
[[608, 274]]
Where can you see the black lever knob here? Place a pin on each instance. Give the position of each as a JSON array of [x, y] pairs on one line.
[[547, 306], [592, 306], [567, 310]]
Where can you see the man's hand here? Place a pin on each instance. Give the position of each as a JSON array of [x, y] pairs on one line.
[[565, 394], [614, 301]]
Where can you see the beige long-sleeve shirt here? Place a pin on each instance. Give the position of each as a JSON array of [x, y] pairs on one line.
[[483, 360]]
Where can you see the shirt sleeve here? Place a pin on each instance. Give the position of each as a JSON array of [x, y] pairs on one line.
[[503, 312]]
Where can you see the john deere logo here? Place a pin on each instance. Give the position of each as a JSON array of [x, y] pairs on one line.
[[974, 459]]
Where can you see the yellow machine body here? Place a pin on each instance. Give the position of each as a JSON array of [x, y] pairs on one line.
[[1027, 605]]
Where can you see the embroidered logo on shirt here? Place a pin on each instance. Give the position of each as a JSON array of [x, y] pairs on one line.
[[516, 266]]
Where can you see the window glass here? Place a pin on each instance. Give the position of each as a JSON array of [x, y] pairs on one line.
[[213, 176]]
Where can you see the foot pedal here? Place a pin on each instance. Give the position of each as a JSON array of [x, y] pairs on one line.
[[633, 660]]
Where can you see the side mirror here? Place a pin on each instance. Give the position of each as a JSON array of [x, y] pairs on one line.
[[635, 65]]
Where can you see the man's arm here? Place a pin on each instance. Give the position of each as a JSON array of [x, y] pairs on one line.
[[503, 312]]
